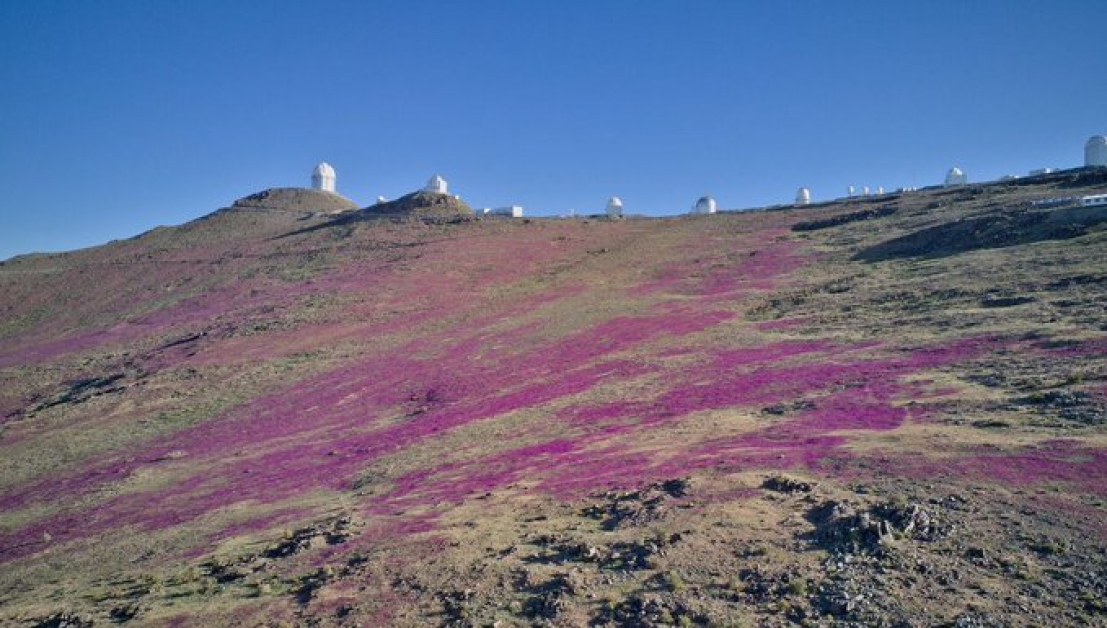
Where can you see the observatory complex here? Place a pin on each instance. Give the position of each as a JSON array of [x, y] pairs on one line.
[[323, 178]]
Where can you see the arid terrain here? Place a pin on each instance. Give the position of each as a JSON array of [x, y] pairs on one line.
[[886, 411]]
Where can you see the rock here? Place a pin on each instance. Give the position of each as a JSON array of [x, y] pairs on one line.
[[783, 484], [294, 200], [423, 205], [64, 620], [840, 527]]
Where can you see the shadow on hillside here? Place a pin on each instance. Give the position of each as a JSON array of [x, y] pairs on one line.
[[342, 225], [987, 232]]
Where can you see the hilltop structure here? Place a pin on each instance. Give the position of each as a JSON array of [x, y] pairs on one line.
[[511, 211], [705, 205], [323, 178], [614, 207], [803, 196], [295, 200], [956, 176], [1095, 151], [436, 185], [423, 205]]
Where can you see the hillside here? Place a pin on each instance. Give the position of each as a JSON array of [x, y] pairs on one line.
[[882, 411]]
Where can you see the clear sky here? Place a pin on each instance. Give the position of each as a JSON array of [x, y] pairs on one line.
[[118, 116]]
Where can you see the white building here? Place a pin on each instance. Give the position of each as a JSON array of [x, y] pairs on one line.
[[705, 205], [1095, 151], [956, 176], [1094, 200], [1053, 202], [323, 178], [436, 185], [1041, 171], [850, 191], [614, 207], [803, 196], [511, 211]]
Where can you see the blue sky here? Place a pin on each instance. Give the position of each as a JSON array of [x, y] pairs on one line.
[[116, 117]]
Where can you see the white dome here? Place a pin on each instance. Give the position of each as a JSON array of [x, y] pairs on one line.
[[323, 177], [803, 196], [956, 176], [615, 207], [1095, 151], [436, 185], [705, 205]]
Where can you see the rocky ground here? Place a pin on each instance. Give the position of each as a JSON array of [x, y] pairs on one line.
[[884, 411]]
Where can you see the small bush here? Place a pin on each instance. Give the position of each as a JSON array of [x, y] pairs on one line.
[[675, 582]]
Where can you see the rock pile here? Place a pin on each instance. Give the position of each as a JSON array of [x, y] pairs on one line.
[[424, 205], [295, 200], [844, 529]]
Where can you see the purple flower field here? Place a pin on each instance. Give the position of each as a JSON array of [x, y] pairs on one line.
[[243, 420]]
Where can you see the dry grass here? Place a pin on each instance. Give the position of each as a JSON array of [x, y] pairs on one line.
[[476, 423]]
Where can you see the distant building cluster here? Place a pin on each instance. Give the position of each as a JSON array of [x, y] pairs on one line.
[[324, 179], [853, 191], [1095, 155]]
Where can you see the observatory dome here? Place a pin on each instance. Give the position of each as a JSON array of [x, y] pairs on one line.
[[803, 196], [956, 176], [615, 207], [436, 185], [1095, 151], [323, 177], [705, 205]]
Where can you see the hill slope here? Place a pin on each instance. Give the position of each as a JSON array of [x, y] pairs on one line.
[[886, 410]]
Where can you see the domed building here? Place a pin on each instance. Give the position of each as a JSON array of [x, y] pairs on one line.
[[956, 176], [1095, 151], [436, 185], [803, 196], [614, 207], [323, 178], [705, 205]]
